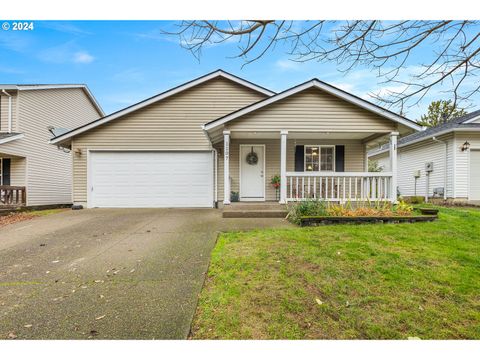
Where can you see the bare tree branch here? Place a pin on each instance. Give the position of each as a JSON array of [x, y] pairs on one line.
[[450, 50]]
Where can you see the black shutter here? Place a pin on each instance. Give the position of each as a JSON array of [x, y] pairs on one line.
[[340, 158], [6, 172], [299, 157]]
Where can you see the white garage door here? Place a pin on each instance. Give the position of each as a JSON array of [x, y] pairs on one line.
[[474, 175], [151, 179]]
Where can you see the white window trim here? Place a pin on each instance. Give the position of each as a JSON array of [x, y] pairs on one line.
[[319, 156], [1, 171]]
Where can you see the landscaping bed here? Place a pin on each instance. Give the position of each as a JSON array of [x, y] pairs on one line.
[[317, 212], [329, 220]]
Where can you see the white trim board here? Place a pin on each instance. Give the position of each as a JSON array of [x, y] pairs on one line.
[[472, 120], [429, 137], [168, 93], [57, 86], [11, 138], [315, 83]]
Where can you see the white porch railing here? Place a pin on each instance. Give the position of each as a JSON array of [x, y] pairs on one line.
[[339, 186]]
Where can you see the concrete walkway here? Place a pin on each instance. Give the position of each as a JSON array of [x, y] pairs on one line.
[[108, 273]]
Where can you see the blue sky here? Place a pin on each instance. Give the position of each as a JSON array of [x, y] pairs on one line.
[[127, 61]]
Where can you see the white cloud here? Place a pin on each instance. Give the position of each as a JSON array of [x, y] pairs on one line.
[[82, 57], [14, 41], [66, 53], [285, 65]]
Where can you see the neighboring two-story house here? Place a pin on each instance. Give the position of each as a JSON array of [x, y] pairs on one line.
[[33, 172]]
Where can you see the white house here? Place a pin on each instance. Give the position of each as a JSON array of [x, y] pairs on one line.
[[443, 161]]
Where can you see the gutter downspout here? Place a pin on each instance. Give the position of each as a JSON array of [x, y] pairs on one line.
[[9, 110], [215, 162], [215, 191], [445, 166]]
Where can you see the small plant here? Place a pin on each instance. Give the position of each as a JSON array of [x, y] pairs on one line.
[[311, 207], [234, 196], [402, 208], [275, 181]]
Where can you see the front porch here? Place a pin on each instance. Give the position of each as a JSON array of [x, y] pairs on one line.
[[12, 196], [327, 166], [13, 192]]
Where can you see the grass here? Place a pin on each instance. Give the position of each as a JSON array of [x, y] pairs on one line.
[[346, 282]]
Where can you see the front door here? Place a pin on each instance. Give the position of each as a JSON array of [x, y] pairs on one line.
[[252, 172]]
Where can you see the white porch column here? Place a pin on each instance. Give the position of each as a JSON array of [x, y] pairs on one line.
[[393, 165], [226, 167], [365, 160], [283, 166]]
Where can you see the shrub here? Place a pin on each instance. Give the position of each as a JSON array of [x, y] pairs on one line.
[[402, 208], [320, 208], [415, 199], [311, 207]]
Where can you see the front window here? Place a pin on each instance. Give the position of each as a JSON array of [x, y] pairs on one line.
[[319, 158]]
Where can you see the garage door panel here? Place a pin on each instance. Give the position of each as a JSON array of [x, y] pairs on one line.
[[151, 179]]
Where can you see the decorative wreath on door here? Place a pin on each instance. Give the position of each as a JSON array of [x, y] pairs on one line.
[[252, 158]]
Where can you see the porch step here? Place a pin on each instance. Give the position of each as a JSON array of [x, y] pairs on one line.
[[254, 213], [255, 206]]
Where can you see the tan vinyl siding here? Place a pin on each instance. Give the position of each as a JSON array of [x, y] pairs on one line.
[[4, 111], [312, 110], [170, 124], [49, 170], [354, 157], [18, 171]]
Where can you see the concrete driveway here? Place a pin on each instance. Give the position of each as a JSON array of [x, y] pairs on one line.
[[108, 273]]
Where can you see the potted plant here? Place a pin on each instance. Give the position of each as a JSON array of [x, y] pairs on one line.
[[275, 181], [234, 196]]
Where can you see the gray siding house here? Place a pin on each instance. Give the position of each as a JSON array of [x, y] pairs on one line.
[[32, 172], [441, 162]]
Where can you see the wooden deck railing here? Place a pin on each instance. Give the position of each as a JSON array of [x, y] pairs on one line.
[[13, 195], [338, 186]]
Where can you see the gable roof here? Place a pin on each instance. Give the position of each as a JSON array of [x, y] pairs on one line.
[[158, 97], [84, 87], [315, 83], [459, 123]]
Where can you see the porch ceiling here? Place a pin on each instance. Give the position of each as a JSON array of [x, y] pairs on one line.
[[303, 135]]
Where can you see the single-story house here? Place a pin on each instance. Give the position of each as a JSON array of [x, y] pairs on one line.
[[441, 161], [32, 172], [219, 137]]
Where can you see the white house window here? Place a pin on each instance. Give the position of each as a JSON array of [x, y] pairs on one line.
[[319, 158]]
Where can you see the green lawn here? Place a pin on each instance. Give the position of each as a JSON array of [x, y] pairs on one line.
[[346, 282]]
